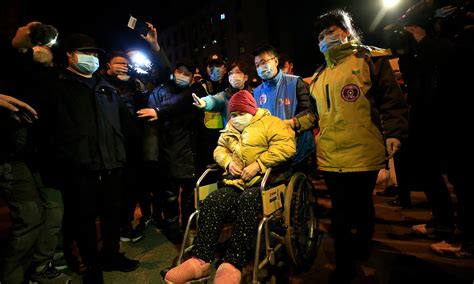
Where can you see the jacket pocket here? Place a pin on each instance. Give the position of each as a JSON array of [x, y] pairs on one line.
[[74, 150]]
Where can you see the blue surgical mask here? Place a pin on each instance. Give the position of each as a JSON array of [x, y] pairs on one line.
[[217, 73], [330, 41], [265, 71], [86, 63], [181, 80]]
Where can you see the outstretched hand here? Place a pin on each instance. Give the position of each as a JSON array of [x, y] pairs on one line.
[[149, 113], [21, 110], [200, 103]]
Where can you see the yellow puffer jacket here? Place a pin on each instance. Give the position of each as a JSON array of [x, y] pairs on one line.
[[267, 140]]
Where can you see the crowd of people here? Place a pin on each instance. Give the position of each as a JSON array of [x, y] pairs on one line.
[[84, 142]]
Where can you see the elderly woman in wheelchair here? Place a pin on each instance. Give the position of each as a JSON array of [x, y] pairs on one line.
[[251, 142]]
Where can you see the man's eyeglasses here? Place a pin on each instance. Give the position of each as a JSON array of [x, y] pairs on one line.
[[263, 61]]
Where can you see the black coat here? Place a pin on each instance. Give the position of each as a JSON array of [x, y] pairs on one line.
[[175, 130], [81, 127]]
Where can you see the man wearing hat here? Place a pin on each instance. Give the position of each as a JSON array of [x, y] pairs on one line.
[[252, 141], [216, 71], [82, 143]]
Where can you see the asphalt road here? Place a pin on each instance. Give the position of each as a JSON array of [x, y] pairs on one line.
[[398, 257]]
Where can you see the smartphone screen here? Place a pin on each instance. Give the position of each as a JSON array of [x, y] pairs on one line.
[[140, 26]]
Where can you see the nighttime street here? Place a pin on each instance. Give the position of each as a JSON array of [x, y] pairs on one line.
[[398, 256], [326, 139]]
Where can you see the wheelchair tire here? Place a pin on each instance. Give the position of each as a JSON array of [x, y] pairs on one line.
[[302, 233]]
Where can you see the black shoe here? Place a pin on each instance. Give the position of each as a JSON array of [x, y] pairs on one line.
[[389, 191], [118, 262], [93, 275], [145, 221], [49, 274], [398, 202], [131, 235]]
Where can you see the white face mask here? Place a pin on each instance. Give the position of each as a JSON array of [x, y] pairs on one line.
[[237, 81], [182, 80], [86, 63], [240, 122]]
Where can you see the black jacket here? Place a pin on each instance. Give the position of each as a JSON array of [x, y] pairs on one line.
[[175, 130], [81, 127]]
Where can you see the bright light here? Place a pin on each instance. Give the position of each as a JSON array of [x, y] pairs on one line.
[[222, 16], [390, 3], [140, 62]]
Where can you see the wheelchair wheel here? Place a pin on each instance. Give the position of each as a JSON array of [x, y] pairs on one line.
[[302, 234]]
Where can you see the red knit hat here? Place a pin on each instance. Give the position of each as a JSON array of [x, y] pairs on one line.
[[242, 101]]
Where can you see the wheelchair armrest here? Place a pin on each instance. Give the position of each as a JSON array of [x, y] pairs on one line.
[[265, 179], [275, 176], [209, 169], [213, 166]]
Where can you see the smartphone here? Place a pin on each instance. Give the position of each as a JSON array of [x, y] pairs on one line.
[[138, 25]]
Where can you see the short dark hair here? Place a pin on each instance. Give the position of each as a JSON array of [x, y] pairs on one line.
[[111, 55], [265, 48], [41, 34], [244, 67], [284, 57], [336, 17]]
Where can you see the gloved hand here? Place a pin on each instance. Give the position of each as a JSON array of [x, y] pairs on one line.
[[393, 145], [200, 103]]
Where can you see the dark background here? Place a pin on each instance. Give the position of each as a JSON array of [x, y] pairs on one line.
[[106, 20]]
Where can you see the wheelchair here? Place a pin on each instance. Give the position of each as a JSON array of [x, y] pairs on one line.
[[288, 221]]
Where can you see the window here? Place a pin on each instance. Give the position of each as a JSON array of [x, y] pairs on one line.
[[222, 16]]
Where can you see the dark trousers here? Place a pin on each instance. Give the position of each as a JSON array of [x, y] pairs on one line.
[[54, 210], [426, 170], [352, 206], [459, 177], [88, 195], [402, 170], [133, 191], [27, 214], [215, 210], [166, 199], [429, 177]]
